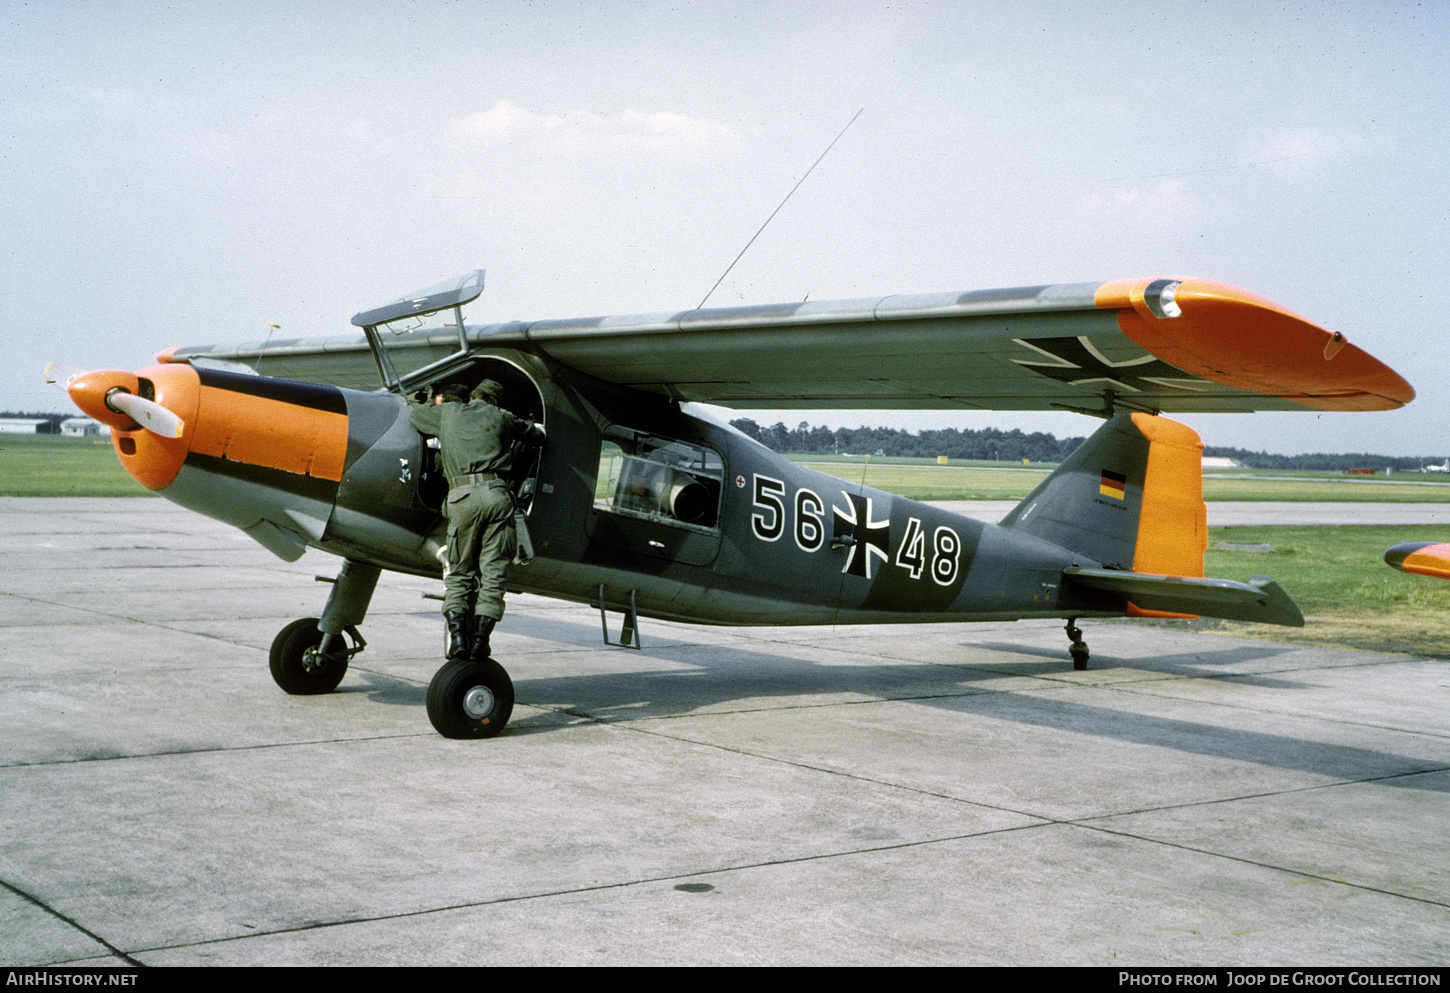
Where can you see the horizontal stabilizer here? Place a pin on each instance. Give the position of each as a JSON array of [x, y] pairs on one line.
[[1260, 600]]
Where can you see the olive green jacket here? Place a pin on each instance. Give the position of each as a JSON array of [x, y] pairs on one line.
[[475, 436]]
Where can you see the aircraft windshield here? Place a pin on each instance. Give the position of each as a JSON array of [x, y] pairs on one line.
[[410, 337]]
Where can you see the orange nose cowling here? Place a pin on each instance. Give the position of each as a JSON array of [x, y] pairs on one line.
[[88, 392], [151, 460]]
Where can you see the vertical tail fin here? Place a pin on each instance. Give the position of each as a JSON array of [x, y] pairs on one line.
[[1130, 497]]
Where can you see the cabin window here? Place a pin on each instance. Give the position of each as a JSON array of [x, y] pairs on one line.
[[659, 479]]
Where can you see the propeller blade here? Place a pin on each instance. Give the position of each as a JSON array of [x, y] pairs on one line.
[[59, 374], [147, 413]]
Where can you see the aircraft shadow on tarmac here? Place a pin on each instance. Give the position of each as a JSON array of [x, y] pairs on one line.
[[1196, 664], [716, 675]]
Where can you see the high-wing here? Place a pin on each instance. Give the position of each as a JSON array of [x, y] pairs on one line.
[[1173, 345]]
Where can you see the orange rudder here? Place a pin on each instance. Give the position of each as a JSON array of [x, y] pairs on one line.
[[1173, 522]]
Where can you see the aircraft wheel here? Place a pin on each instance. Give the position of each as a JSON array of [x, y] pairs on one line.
[[1079, 657], [296, 664], [470, 699]]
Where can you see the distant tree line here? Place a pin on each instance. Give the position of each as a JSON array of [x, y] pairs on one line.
[[1015, 445], [1325, 461], [988, 443]]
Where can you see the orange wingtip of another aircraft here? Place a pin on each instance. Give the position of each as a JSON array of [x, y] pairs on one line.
[[1230, 336], [1423, 558]]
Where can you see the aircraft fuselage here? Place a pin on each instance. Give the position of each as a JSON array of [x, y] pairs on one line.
[[681, 517]]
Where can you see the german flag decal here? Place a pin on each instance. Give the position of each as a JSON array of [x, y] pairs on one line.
[[1113, 484]]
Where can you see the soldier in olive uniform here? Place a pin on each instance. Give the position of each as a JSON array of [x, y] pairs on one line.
[[477, 441]]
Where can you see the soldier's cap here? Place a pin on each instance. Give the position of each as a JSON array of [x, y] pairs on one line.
[[488, 390], [451, 390]]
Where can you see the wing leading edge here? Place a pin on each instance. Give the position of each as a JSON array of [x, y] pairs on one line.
[[1171, 345]]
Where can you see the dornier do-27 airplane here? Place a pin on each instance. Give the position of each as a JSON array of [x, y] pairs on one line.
[[640, 505]]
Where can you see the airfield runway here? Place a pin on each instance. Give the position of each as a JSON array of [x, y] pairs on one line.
[[944, 794]]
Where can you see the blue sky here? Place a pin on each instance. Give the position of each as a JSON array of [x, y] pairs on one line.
[[185, 173]]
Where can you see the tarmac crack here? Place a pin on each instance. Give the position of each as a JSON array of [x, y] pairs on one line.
[[1084, 823], [771, 863], [71, 923], [579, 890], [1179, 846]]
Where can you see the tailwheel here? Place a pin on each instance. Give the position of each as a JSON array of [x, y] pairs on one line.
[[1078, 649], [299, 663], [469, 699]]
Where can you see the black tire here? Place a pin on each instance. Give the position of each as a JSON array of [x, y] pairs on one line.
[[297, 672], [470, 699], [1079, 657]]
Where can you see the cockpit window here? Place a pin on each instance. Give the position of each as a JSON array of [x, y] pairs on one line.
[[659, 479]]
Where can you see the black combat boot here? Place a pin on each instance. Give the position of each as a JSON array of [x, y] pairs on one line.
[[482, 628], [458, 641]]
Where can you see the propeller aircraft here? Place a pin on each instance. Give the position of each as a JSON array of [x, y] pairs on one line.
[[643, 505]]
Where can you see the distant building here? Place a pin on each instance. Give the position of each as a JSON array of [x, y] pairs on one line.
[[1219, 462], [83, 427], [23, 425]]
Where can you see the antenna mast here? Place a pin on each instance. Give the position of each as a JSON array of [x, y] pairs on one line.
[[777, 209]]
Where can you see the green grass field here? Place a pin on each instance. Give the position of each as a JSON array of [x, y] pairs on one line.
[[50, 465], [1299, 487], [932, 482], [1337, 576], [921, 480]]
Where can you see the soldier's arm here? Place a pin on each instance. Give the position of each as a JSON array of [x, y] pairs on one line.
[[523, 430], [426, 420]]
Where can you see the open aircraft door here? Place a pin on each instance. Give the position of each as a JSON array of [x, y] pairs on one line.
[[413, 357]]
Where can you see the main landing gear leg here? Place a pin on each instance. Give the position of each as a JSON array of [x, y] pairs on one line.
[[311, 655], [1079, 648]]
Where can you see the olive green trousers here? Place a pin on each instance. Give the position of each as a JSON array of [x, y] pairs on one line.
[[481, 543]]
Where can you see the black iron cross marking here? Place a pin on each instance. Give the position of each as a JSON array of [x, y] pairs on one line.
[[1076, 362], [871, 537]]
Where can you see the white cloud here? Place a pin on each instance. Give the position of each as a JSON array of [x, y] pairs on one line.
[[1313, 144], [632, 133], [1163, 206], [505, 121]]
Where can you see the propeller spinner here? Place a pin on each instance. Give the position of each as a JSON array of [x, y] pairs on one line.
[[117, 399]]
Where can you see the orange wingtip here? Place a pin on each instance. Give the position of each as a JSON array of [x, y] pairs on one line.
[[1230, 336], [1423, 558]]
